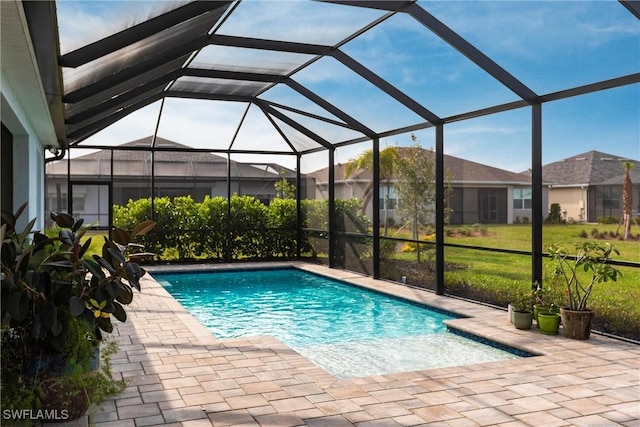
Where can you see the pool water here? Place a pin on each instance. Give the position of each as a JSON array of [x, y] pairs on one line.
[[347, 330]]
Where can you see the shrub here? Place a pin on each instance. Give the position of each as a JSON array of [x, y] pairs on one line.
[[555, 214], [387, 248], [212, 213], [282, 223], [480, 229], [608, 220]]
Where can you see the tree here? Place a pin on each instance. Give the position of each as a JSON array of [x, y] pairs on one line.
[[364, 162], [416, 184], [284, 189], [448, 195], [627, 198]]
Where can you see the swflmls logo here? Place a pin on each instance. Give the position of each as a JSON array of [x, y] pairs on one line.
[[30, 414]]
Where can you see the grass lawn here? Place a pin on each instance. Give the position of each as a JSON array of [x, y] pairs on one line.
[[499, 274]]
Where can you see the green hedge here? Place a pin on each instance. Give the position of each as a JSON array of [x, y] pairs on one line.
[[246, 229]]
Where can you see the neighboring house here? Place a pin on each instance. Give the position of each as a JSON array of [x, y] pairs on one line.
[[589, 185], [177, 173], [480, 193]]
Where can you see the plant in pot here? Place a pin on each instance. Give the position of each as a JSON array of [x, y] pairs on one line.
[[546, 309], [580, 272], [522, 310], [56, 304]]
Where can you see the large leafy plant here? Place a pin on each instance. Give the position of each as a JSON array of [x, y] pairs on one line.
[[48, 280], [580, 272]]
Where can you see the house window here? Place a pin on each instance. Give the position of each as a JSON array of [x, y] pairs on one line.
[[611, 197], [522, 198], [78, 203], [391, 197]]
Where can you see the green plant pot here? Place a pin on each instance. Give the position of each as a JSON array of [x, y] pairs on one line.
[[549, 323], [522, 319], [536, 311]]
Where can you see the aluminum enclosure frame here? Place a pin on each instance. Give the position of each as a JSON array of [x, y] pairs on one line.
[[108, 108]]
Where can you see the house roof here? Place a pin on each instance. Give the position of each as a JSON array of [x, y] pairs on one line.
[[172, 159], [463, 172], [634, 174], [590, 168]]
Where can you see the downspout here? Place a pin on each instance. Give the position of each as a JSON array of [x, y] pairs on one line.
[[59, 156]]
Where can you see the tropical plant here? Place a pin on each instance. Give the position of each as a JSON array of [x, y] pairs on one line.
[[591, 261], [56, 304], [364, 162], [47, 281]]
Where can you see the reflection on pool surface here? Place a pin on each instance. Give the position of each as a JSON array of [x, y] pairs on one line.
[[347, 330]]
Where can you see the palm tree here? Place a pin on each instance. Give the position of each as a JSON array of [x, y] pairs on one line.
[[364, 162], [627, 198]]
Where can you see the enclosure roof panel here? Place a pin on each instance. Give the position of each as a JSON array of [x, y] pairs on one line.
[[364, 69]]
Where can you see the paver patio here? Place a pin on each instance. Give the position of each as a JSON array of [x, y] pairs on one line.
[[179, 374]]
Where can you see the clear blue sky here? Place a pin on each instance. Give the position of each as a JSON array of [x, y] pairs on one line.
[[548, 45]]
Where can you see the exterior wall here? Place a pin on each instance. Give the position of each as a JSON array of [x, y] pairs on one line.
[[606, 200], [465, 202], [28, 157], [136, 187], [572, 200]]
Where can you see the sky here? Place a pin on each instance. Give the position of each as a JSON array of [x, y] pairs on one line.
[[548, 45]]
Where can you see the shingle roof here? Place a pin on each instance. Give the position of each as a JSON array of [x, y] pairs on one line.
[[590, 168], [197, 163], [164, 156], [463, 171]]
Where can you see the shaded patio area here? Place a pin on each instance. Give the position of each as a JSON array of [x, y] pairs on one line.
[[180, 374]]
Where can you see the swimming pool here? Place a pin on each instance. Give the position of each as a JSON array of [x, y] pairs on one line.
[[347, 330]]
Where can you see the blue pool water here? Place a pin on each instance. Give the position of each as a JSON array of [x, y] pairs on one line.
[[347, 330]]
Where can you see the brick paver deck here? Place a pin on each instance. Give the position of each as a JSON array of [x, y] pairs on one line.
[[178, 374]]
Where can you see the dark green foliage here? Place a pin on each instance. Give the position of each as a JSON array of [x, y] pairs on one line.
[[57, 301], [555, 215], [282, 223], [48, 281], [245, 228], [608, 220], [212, 217]]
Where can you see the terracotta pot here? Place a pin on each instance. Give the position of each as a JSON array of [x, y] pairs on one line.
[[576, 324]]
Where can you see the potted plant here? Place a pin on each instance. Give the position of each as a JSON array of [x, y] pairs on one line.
[[549, 322], [522, 310], [57, 302], [546, 309], [580, 272]]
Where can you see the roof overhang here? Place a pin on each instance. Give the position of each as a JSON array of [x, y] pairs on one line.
[[30, 67]]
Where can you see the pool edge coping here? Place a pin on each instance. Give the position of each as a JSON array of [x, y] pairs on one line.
[[473, 317]]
